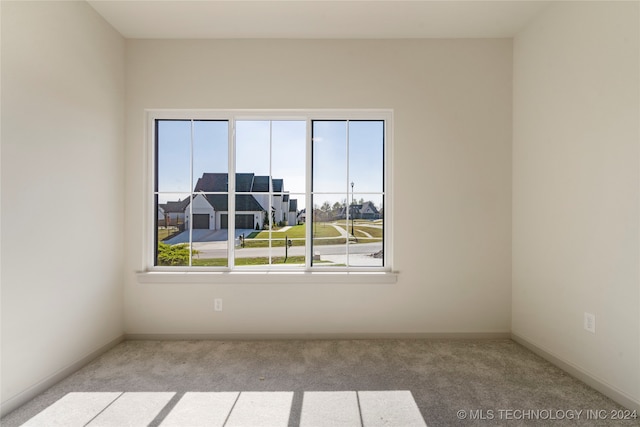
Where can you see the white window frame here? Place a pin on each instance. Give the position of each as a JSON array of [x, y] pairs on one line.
[[280, 273]]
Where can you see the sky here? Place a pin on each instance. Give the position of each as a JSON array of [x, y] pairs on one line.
[[343, 152]]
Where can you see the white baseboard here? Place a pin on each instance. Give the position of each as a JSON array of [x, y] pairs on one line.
[[578, 372], [327, 336], [23, 397]]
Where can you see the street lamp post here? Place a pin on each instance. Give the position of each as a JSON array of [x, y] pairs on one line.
[[351, 210]]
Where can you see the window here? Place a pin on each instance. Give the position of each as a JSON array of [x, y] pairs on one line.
[[270, 190]]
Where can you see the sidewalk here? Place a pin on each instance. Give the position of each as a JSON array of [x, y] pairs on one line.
[[206, 236]]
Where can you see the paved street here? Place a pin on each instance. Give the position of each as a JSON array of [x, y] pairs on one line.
[[213, 244], [219, 250]]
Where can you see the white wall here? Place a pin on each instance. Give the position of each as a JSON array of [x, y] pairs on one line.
[[62, 147], [576, 188], [452, 170]]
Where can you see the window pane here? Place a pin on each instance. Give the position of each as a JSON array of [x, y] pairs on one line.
[[364, 236], [329, 156], [251, 211], [289, 154], [212, 251], [172, 237], [297, 203], [329, 236], [173, 155], [252, 150], [257, 246], [280, 209], [366, 226], [252, 231], [208, 232], [366, 150], [287, 240], [210, 148], [288, 246]]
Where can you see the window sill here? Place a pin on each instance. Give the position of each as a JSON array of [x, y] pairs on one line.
[[268, 277]]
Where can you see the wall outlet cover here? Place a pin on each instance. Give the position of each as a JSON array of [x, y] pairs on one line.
[[590, 322]]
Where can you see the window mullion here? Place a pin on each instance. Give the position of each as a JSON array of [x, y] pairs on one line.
[[270, 203], [349, 204], [308, 195], [152, 165], [231, 198], [385, 171], [191, 196]]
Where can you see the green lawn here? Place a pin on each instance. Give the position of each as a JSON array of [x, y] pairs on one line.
[[330, 241], [296, 234], [323, 234], [361, 227], [275, 243], [359, 221], [222, 262], [164, 233], [373, 231]]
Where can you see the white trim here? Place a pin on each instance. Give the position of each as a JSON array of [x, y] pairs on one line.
[[308, 197], [231, 195], [19, 399], [580, 373], [148, 199], [191, 125], [232, 116], [387, 199], [348, 203], [270, 197], [268, 277], [266, 114], [451, 336]]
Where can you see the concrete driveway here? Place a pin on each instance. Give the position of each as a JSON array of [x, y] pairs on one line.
[[206, 236]]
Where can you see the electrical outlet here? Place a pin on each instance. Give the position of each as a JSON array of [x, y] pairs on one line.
[[217, 304], [590, 322]]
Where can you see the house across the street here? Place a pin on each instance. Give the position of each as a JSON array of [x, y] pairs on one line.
[[209, 203], [172, 213], [366, 210]]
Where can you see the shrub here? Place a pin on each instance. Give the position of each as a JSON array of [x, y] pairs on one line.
[[174, 254]]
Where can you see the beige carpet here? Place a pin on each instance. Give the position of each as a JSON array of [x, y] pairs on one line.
[[342, 382]]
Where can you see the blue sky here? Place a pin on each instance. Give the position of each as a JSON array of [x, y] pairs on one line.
[[280, 145]]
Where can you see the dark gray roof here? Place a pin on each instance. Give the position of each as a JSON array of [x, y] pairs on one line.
[[261, 184], [175, 207], [244, 202], [213, 182], [245, 183], [369, 205]]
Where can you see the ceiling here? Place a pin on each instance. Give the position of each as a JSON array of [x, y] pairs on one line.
[[316, 19]]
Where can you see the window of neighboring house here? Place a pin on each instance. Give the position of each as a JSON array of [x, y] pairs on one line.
[[273, 191]]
